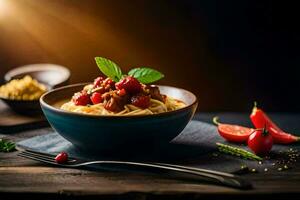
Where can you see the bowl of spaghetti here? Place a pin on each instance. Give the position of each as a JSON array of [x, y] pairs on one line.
[[114, 113]]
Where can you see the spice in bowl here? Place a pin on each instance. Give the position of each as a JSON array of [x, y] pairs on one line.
[[25, 88]]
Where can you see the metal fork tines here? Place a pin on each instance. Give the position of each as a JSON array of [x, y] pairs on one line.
[[222, 178]]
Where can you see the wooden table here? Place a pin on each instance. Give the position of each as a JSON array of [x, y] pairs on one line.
[[23, 178]]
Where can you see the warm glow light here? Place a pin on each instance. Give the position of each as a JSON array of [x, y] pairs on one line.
[[2, 5], [53, 29], [4, 8]]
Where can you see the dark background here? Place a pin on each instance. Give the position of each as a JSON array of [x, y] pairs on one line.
[[229, 53]]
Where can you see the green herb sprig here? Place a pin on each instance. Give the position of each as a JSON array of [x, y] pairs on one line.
[[237, 152], [144, 74], [7, 146]]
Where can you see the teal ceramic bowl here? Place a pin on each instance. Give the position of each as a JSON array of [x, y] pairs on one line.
[[116, 133]]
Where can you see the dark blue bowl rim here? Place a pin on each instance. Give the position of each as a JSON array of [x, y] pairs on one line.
[[64, 112]]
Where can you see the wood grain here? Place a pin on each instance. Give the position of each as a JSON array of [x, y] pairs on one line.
[[20, 178], [26, 176], [11, 121]]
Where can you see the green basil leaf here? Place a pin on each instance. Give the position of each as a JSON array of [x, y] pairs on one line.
[[6, 146], [109, 68], [146, 75]]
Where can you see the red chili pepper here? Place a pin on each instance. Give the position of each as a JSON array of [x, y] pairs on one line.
[[260, 120], [233, 133]]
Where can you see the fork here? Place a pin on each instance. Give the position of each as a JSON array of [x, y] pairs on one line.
[[221, 178]]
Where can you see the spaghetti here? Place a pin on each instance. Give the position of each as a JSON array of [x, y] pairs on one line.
[[105, 97], [129, 109]]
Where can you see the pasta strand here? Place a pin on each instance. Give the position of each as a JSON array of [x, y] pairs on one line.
[[129, 109]]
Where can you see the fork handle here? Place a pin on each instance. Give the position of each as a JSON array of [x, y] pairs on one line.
[[217, 177]]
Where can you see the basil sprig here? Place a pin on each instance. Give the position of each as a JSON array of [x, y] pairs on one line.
[[7, 146], [144, 74], [109, 68]]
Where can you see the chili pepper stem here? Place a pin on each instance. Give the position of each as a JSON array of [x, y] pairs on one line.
[[265, 132], [255, 104], [254, 107]]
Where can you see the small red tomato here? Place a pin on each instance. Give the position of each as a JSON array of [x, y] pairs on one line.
[[260, 142], [61, 158], [233, 133], [98, 81], [96, 98], [81, 98], [121, 92], [108, 81], [141, 101], [130, 84]]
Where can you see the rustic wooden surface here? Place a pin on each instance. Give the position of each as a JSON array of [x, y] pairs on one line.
[[11, 121], [20, 177]]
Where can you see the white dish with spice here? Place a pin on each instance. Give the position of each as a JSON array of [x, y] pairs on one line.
[[27, 83]]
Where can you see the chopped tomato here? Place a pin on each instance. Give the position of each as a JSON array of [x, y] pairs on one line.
[[96, 98], [130, 84], [233, 133], [121, 92], [81, 98], [98, 81], [141, 101]]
